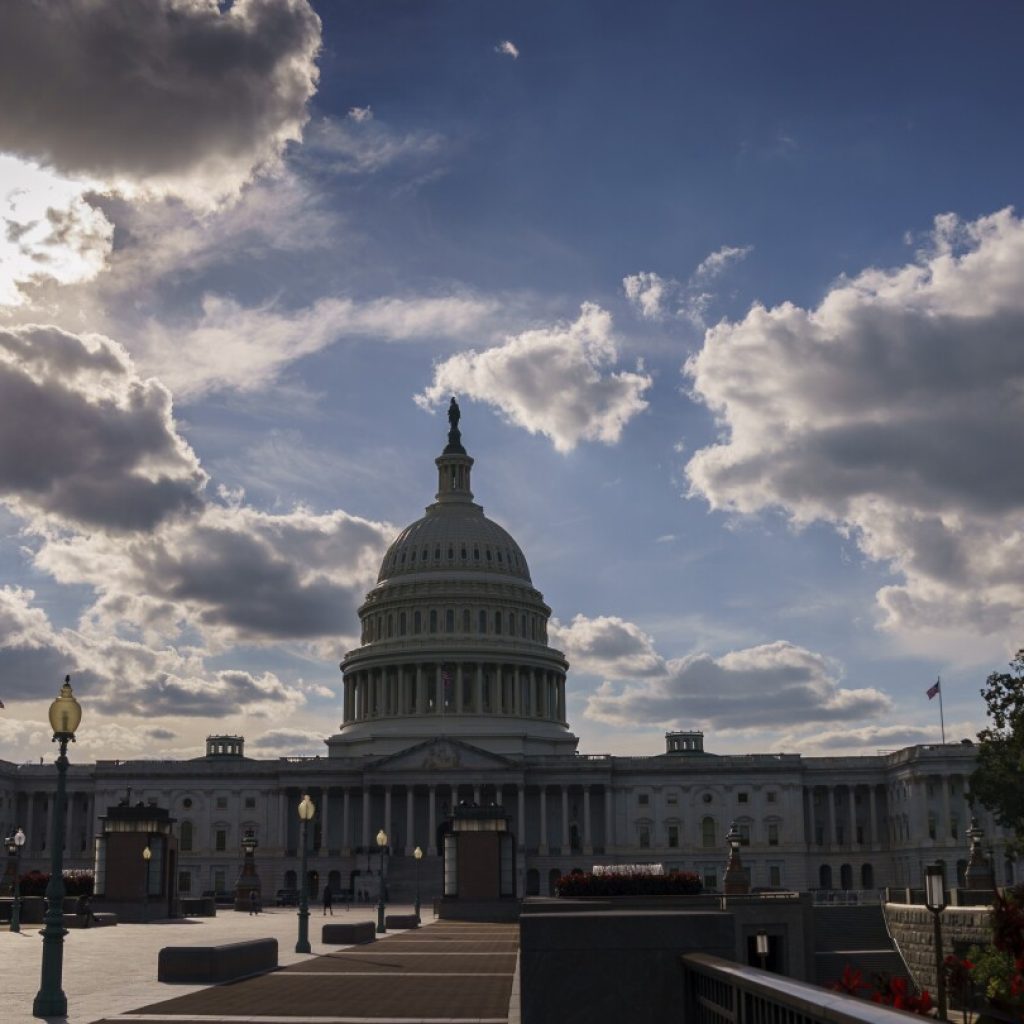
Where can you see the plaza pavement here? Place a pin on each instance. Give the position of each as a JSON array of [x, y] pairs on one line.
[[109, 972]]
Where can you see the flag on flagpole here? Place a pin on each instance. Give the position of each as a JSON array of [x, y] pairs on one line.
[[933, 691]]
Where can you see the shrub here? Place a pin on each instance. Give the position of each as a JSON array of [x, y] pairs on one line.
[[672, 883], [76, 883]]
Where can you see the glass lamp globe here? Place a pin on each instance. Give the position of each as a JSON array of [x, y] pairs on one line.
[[65, 711], [147, 853], [19, 838], [382, 838], [418, 853], [306, 808]]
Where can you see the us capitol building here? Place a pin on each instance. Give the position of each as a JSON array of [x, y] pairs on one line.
[[455, 695]]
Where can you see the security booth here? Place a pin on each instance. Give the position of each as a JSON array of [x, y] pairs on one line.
[[479, 856], [136, 863]]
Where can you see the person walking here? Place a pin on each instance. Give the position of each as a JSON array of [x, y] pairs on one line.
[[254, 902], [328, 901]]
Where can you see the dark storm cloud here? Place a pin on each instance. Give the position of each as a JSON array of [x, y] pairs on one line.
[[84, 439], [159, 91]]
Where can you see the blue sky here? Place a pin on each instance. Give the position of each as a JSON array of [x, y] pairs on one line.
[[728, 292]]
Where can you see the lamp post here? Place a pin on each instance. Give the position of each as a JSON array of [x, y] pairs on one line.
[[306, 811], [147, 856], [735, 881], [247, 888], [935, 901], [14, 844], [50, 1001], [382, 842], [417, 856], [762, 949]]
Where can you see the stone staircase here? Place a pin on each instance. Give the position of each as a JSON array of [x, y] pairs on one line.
[[401, 879], [853, 936]]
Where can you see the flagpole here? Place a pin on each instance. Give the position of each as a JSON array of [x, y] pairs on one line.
[[942, 717]]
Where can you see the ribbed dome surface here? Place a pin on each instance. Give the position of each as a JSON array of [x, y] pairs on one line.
[[456, 537]]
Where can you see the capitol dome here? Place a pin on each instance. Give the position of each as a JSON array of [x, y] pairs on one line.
[[453, 637]]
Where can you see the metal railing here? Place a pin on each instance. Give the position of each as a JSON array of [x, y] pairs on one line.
[[722, 992], [845, 897]]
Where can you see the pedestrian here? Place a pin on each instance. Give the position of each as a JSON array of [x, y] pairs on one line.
[[328, 901], [254, 902], [84, 910]]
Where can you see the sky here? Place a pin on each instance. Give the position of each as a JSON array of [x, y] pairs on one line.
[[730, 295]]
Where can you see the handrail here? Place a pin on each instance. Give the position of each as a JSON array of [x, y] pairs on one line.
[[723, 992]]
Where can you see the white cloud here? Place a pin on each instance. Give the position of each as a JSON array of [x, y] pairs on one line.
[[655, 297], [608, 646], [508, 49], [360, 114], [764, 688], [232, 346], [893, 410], [551, 380], [48, 230], [182, 97], [361, 144]]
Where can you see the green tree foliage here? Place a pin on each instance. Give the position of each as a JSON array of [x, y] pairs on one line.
[[998, 780]]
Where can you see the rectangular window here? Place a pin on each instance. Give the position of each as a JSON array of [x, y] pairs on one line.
[[219, 883], [744, 831], [250, 801], [221, 840], [860, 834], [819, 835], [744, 798], [644, 799], [481, 620], [672, 798], [772, 797], [449, 620], [222, 801], [775, 876], [184, 882], [673, 835], [645, 837], [710, 879], [773, 834], [433, 620]]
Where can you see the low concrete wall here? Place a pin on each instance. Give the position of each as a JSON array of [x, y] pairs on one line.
[[606, 967], [198, 906], [207, 965], [477, 910], [354, 933], [400, 921], [913, 928]]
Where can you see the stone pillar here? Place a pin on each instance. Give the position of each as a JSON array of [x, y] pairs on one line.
[[282, 819], [831, 794], [521, 815], [872, 830], [565, 820], [478, 689], [852, 814], [346, 827], [325, 822], [387, 814], [458, 689], [513, 708], [947, 815], [365, 843], [542, 847], [410, 845], [609, 819], [499, 796], [588, 843], [438, 689], [421, 692], [432, 819]]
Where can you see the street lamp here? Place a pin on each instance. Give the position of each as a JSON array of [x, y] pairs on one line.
[[417, 856], [735, 881], [147, 856], [935, 901], [306, 811], [762, 949], [382, 842], [14, 844], [50, 1001]]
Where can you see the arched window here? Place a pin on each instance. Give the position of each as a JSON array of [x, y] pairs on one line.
[[186, 836], [481, 621], [401, 623], [825, 877], [846, 877], [497, 622], [391, 624], [867, 876], [465, 620], [488, 553], [476, 554], [511, 623], [449, 620], [707, 833], [451, 553], [417, 622], [522, 625], [437, 553], [463, 553], [433, 620]]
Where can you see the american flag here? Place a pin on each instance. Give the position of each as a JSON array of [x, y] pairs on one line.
[[933, 691]]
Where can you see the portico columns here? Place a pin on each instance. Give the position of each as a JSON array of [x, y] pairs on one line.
[[409, 843], [609, 820], [542, 848], [565, 820], [831, 793], [946, 813], [282, 818], [852, 814], [324, 821], [346, 828], [387, 813], [421, 692], [521, 815], [432, 819], [871, 801], [588, 844], [478, 689], [366, 818], [459, 703]]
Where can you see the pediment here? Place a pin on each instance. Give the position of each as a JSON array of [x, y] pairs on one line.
[[442, 753]]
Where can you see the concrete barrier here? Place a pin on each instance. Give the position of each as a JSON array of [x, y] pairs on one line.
[[398, 921], [355, 933], [207, 965], [198, 906]]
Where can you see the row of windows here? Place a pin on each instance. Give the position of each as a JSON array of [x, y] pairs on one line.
[[708, 833], [498, 623], [672, 798], [220, 801], [485, 556]]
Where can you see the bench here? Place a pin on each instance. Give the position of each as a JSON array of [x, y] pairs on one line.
[[207, 965], [398, 921], [99, 920], [355, 933]]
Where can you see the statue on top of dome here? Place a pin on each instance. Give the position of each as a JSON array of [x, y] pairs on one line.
[[454, 434]]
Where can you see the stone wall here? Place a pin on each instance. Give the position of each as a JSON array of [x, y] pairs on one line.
[[913, 928]]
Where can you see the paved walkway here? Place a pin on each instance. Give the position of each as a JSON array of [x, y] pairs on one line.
[[447, 972]]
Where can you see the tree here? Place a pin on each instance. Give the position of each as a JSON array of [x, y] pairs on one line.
[[998, 780]]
